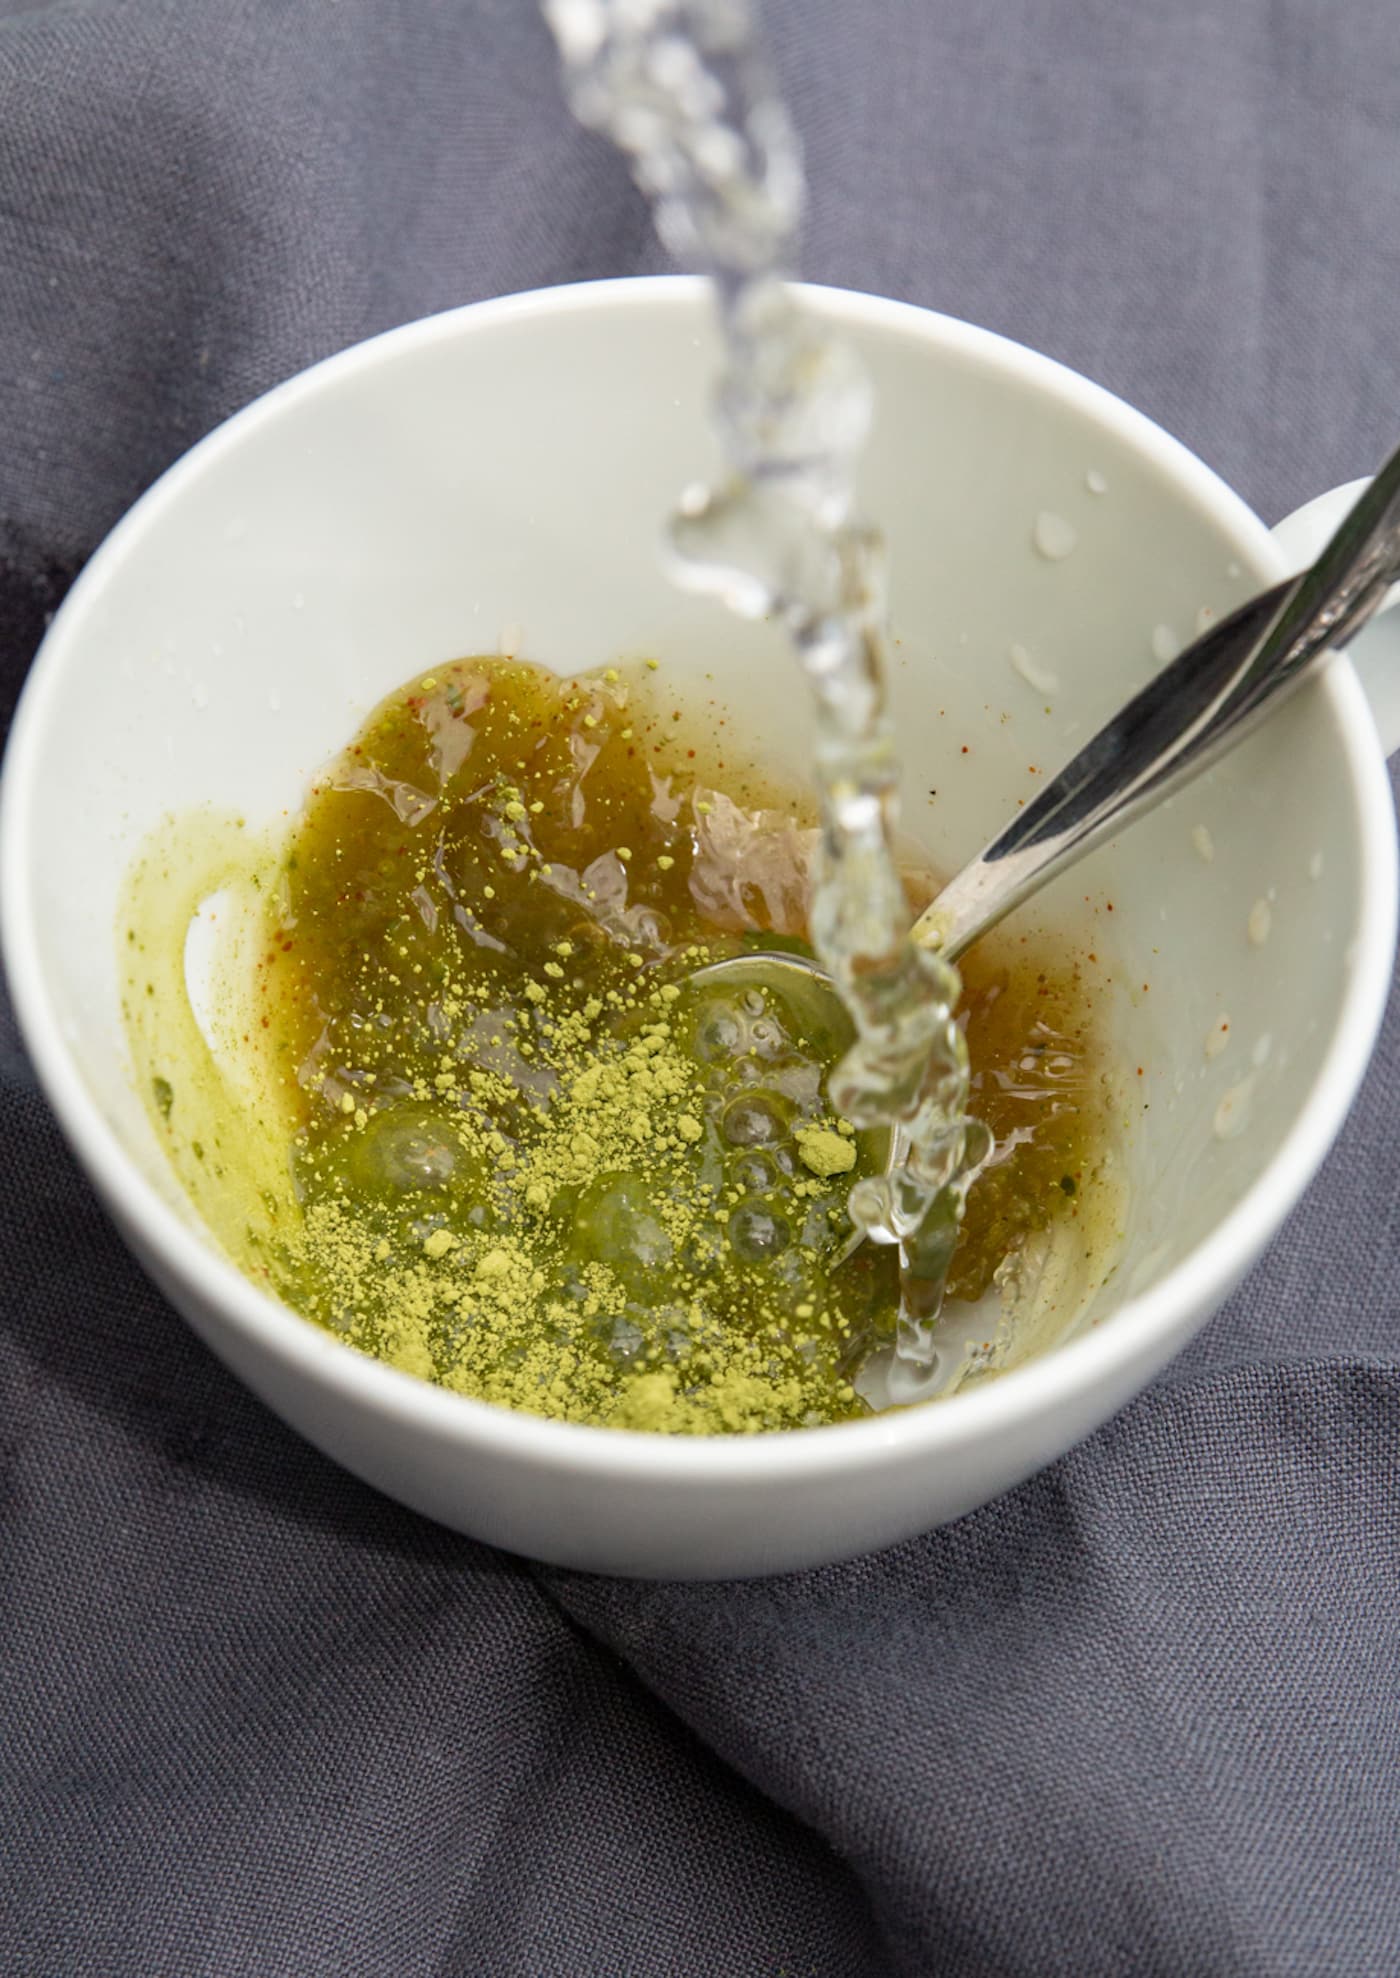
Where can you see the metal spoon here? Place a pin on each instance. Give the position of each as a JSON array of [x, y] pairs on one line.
[[1186, 717]]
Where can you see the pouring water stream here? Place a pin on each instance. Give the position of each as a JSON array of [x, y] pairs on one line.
[[681, 88]]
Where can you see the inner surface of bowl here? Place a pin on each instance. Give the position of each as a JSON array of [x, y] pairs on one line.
[[497, 480]]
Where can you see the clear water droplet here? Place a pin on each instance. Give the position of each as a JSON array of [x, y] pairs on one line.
[[1054, 536]]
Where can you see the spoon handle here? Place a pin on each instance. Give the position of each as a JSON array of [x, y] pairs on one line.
[[1184, 718]]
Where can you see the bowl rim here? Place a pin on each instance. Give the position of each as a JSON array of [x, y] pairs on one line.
[[1142, 1330]]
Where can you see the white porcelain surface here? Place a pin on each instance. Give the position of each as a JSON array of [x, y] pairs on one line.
[[499, 473]]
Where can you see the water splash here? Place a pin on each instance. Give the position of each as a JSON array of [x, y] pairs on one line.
[[682, 88]]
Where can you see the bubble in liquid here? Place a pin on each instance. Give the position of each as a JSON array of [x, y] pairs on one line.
[[617, 1223], [757, 1232], [767, 1038], [407, 1151], [755, 1172], [718, 1032], [755, 1119]]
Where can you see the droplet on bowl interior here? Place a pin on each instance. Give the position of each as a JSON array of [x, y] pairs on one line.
[[1053, 536], [1205, 618], [1263, 1048], [1315, 866], [1042, 678], [1233, 1111], [1095, 482], [1203, 842], [1218, 1036], [1261, 920], [1165, 644]]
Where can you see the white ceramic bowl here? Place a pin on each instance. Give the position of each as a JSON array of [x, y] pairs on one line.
[[506, 466]]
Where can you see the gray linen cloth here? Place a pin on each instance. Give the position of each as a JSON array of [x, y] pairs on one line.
[[1142, 1715]]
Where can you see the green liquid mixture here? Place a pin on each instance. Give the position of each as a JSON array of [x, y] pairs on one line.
[[529, 1160]]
